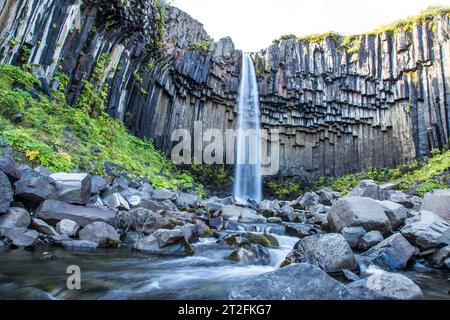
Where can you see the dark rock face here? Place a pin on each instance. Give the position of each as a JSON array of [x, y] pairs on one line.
[[6, 193], [338, 111], [34, 188], [295, 282]]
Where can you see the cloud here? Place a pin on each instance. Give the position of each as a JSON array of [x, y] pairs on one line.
[[253, 24]]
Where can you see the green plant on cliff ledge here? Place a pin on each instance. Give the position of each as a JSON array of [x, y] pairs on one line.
[[201, 45], [160, 16], [61, 137], [286, 190]]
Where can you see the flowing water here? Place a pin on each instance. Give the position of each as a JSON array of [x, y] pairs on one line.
[[248, 175]]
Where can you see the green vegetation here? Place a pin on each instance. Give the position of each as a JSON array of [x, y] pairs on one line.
[[422, 178], [160, 15], [201, 45], [215, 177], [61, 137], [286, 190]]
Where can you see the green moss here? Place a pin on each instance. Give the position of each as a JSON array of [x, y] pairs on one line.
[[258, 239], [201, 45], [60, 137], [284, 190], [216, 177], [160, 16]]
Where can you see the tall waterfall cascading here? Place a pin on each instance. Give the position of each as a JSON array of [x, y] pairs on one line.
[[248, 172]]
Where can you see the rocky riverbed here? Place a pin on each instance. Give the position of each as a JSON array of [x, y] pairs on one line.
[[133, 241]]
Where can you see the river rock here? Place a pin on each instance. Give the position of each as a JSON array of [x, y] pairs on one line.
[[300, 230], [156, 206], [116, 201], [425, 231], [294, 282], [34, 188], [368, 189], [6, 193], [370, 240], [326, 198], [396, 213], [439, 257], [98, 185], [185, 201], [308, 201], [53, 211], [164, 194], [268, 206], [79, 245], [73, 188], [250, 216], [142, 220], [10, 168], [133, 197], [67, 227], [358, 212], [350, 276], [240, 214], [101, 233], [331, 252], [15, 218], [391, 254], [42, 227], [165, 237], [150, 245], [20, 237], [216, 223], [405, 200], [383, 285], [438, 202], [251, 254], [353, 235]]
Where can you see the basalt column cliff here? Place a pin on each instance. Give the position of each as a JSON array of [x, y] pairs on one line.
[[342, 104]]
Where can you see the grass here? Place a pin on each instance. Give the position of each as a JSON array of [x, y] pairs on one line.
[[61, 137], [422, 178]]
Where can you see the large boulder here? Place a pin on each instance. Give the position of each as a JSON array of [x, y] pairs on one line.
[[186, 201], [34, 188], [98, 185], [151, 245], [353, 235], [425, 230], [156, 206], [438, 202], [54, 211], [331, 252], [300, 230], [405, 200], [440, 256], [142, 220], [268, 206], [368, 189], [390, 254], [74, 188], [20, 237], [308, 201], [164, 194], [241, 214], [10, 168], [42, 227], [15, 218], [6, 193], [396, 213], [116, 201], [68, 228], [383, 285], [251, 254], [101, 233], [358, 212], [370, 240], [294, 282]]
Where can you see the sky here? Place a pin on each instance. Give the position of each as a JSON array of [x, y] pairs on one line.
[[253, 24]]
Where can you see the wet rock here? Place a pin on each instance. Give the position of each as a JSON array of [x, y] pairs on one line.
[[425, 230], [294, 282], [358, 212], [132, 237], [405, 200], [383, 285], [47, 256], [133, 197], [331, 252], [350, 276], [232, 213], [268, 206], [438, 202], [300, 230], [286, 211], [15, 218], [10, 168], [353, 235], [101, 233], [370, 240], [34, 188], [445, 238], [79, 245], [213, 206], [216, 223], [73, 188], [251, 254], [165, 237], [308, 201], [391, 254], [115, 201], [202, 229], [6, 193], [164, 194], [67, 227], [150, 245], [53, 211], [186, 200], [396, 213], [240, 214], [156, 206], [326, 198], [98, 185], [42, 227], [368, 189], [274, 220], [20, 237], [142, 220]]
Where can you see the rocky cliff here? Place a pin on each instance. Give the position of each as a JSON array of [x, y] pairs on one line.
[[342, 104]]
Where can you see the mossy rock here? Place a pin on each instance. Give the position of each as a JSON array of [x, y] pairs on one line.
[[273, 241], [286, 262], [207, 233], [260, 239]]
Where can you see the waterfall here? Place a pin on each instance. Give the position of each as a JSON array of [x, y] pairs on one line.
[[248, 178]]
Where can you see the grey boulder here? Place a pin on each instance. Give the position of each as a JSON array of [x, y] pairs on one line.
[[20, 237], [251, 254], [67, 227], [142, 220], [353, 235], [10, 168], [164, 194], [370, 240], [368, 189], [74, 188], [151, 245], [6, 193], [116, 201], [101, 233], [42, 227], [15, 218], [438, 202], [34, 188], [396, 213], [185, 201], [294, 282]]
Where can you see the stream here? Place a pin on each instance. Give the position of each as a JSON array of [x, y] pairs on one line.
[[126, 274]]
